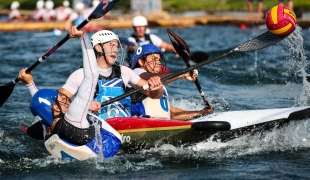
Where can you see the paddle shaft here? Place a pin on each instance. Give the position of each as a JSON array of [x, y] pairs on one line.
[[199, 87], [176, 74], [262, 41], [52, 50]]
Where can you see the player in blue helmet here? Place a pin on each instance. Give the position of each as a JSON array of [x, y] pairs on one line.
[[145, 50], [41, 105], [147, 62], [71, 121]]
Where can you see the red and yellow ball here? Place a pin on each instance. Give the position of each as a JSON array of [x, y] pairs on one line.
[[281, 20]]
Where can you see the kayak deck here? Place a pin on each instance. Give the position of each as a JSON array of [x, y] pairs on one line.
[[144, 133]]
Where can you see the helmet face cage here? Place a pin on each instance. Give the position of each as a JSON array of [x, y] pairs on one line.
[[161, 61], [119, 51]]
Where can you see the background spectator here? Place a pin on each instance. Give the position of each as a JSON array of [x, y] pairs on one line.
[[289, 3], [50, 13], [259, 9], [39, 11], [64, 11], [14, 14], [79, 14]]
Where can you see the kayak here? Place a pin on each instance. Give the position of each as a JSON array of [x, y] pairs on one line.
[[144, 133], [141, 133]]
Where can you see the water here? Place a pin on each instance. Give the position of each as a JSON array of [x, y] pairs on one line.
[[262, 79]]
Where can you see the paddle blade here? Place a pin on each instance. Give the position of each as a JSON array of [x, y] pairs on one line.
[[5, 91], [199, 56], [179, 45], [102, 8], [262, 41]]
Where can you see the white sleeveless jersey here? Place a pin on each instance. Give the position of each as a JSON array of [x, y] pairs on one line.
[[157, 108]]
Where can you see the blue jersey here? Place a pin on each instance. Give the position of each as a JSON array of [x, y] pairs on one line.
[[109, 89]]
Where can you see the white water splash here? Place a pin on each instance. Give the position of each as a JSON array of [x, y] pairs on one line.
[[296, 63], [294, 137]]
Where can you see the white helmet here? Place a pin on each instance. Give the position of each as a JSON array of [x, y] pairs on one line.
[[49, 4], [139, 21], [14, 5], [66, 3], [103, 36], [40, 4], [79, 6]]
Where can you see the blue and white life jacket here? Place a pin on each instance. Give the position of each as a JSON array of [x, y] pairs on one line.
[[143, 106], [108, 88]]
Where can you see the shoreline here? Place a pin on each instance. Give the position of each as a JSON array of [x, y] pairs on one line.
[[164, 20]]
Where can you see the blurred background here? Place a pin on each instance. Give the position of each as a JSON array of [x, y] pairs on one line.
[[171, 6]]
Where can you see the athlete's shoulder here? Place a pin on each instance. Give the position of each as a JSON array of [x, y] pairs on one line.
[[154, 36], [125, 68]]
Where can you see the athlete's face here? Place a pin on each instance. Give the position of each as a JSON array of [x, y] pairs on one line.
[[111, 50], [152, 63], [140, 30], [64, 102]]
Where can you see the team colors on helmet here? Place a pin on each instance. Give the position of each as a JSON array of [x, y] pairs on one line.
[[41, 105], [143, 51], [281, 20]]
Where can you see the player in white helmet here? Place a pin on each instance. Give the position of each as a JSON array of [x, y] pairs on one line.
[[141, 37], [70, 120], [113, 78]]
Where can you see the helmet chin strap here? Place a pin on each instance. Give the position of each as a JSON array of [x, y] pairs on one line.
[[98, 54], [61, 114]]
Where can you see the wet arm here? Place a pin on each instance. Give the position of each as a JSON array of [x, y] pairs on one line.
[[167, 47], [183, 115], [28, 80], [152, 92], [147, 75]]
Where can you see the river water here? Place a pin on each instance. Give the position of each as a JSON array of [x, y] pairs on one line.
[[266, 78]]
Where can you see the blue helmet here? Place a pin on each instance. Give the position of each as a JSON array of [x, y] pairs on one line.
[[41, 105], [143, 51]]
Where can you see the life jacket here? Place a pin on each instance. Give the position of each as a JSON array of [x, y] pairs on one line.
[[147, 40], [108, 88], [143, 106]]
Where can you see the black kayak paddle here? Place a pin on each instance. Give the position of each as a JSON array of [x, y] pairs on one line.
[[102, 8]]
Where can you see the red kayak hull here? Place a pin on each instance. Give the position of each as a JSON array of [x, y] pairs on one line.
[[144, 133]]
